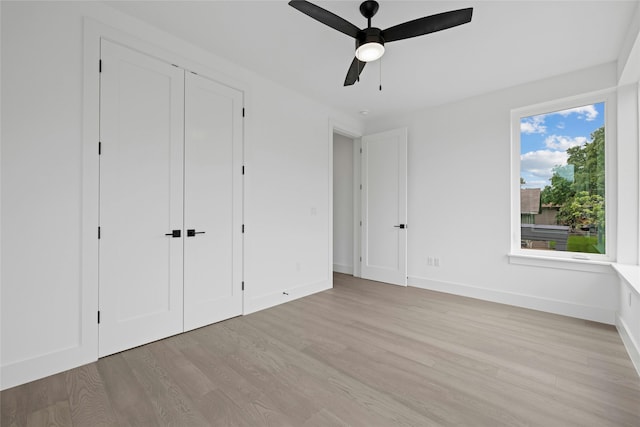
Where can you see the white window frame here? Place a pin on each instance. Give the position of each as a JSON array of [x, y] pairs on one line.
[[561, 259]]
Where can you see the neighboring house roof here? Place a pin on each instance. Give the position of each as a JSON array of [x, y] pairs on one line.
[[529, 200]]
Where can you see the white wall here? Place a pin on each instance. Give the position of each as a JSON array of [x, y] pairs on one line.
[[44, 306], [459, 203], [628, 315], [628, 319], [287, 206], [628, 175], [629, 57], [0, 200], [41, 184], [342, 204]]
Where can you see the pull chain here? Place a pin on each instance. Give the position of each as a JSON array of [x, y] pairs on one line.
[[380, 87]]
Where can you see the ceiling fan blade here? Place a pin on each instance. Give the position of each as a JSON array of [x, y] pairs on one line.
[[354, 72], [326, 17], [428, 24]]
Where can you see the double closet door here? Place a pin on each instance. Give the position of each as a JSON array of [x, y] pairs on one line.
[[170, 243]]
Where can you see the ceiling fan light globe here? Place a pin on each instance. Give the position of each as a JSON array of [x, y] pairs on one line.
[[370, 52]]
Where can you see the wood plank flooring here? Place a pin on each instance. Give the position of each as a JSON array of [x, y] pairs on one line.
[[361, 354]]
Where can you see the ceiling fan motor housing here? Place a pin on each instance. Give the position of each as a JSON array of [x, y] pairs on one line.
[[369, 35]]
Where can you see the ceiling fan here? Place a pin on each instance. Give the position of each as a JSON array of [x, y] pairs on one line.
[[370, 41]]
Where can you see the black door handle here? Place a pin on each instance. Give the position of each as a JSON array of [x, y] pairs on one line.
[[191, 232], [400, 226], [174, 233]]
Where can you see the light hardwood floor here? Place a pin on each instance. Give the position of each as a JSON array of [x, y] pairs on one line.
[[361, 354]]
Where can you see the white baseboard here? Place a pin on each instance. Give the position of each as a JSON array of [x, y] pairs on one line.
[[346, 269], [596, 314], [251, 305], [629, 343], [24, 371], [43, 366]]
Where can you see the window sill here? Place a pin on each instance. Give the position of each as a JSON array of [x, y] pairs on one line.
[[630, 274], [586, 265]]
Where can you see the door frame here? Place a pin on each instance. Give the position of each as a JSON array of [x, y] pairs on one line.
[[356, 136], [140, 40]]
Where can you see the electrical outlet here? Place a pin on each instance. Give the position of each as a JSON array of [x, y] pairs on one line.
[[436, 262], [430, 261]]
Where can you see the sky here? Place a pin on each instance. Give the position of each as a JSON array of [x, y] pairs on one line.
[[544, 140]]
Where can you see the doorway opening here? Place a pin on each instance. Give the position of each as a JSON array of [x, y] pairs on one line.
[[346, 203], [342, 204]]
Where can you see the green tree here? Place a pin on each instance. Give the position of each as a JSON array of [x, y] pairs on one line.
[[584, 209], [579, 186], [588, 163], [559, 192]]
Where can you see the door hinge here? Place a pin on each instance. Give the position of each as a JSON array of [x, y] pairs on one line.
[[98, 317], [361, 186], [100, 66], [98, 232], [361, 151], [360, 223], [243, 228], [242, 111], [360, 259], [243, 286], [242, 169], [99, 148]]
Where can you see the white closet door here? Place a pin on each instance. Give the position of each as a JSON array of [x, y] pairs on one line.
[[141, 194], [384, 207], [213, 202]]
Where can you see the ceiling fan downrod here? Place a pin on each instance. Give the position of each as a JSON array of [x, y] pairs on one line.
[[368, 9]]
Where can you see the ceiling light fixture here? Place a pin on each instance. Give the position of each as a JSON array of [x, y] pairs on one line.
[[370, 52], [369, 45]]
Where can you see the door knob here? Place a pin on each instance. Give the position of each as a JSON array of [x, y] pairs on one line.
[[191, 232], [174, 233], [400, 226]]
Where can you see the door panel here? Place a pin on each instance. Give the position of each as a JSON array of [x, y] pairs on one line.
[[384, 207], [213, 203], [141, 185]]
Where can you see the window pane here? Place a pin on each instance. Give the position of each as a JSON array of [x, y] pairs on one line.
[[562, 183]]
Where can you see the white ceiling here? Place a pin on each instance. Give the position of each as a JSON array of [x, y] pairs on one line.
[[506, 43]]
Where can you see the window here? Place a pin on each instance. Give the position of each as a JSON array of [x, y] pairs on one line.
[[560, 189]]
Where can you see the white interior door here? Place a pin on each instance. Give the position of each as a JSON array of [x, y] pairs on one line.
[[384, 207], [213, 202], [141, 193]]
